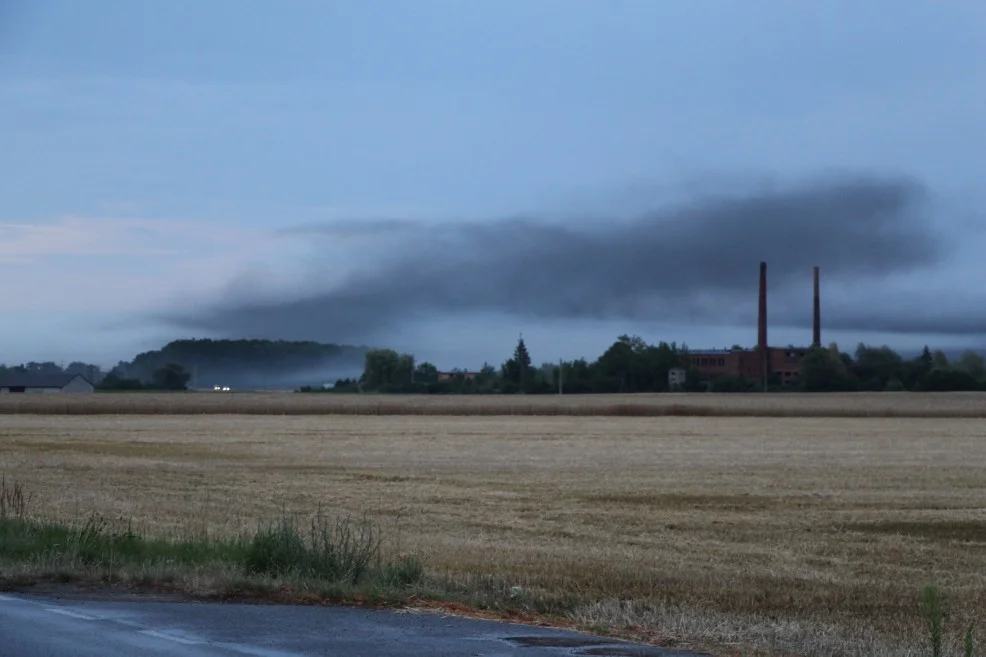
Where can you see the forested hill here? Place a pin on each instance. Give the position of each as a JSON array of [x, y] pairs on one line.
[[249, 363]]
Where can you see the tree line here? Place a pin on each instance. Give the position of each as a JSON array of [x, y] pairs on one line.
[[883, 369], [631, 365], [171, 376], [207, 363], [243, 363]]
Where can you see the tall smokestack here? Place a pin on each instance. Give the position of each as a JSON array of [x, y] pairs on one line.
[[816, 335], [762, 316], [762, 326]]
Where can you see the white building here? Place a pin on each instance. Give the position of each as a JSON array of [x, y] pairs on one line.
[[676, 378], [30, 382]]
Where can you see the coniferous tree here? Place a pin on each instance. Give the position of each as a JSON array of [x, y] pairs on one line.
[[518, 370], [521, 356]]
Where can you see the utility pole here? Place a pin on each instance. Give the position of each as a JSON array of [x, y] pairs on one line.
[[520, 366], [560, 375]]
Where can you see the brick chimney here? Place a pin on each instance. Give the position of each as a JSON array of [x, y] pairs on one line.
[[762, 326], [816, 335]]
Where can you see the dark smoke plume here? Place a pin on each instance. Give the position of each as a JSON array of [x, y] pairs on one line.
[[913, 315], [698, 258]]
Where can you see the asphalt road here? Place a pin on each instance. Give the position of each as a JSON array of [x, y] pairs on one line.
[[49, 627]]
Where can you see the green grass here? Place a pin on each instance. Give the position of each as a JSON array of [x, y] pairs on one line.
[[936, 610], [934, 607], [341, 554]]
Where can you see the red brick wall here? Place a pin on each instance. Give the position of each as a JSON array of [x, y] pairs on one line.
[[784, 361]]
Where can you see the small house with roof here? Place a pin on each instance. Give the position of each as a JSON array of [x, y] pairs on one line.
[[35, 382]]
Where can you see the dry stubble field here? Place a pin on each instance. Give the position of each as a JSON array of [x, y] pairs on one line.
[[946, 405], [815, 534]]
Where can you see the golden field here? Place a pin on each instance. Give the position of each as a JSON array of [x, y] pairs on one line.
[[883, 404], [810, 534]]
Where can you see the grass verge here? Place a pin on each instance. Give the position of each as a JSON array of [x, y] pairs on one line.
[[336, 557], [326, 560]]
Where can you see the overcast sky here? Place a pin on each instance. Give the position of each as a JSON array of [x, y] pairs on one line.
[[440, 175]]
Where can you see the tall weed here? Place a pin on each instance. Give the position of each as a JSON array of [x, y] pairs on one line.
[[342, 550], [936, 610]]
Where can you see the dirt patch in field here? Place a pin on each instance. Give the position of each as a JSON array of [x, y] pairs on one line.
[[683, 501], [937, 530], [129, 449]]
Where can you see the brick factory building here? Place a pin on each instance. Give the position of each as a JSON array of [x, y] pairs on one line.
[[762, 362]]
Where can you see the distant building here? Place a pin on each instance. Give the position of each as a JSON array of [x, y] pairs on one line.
[[676, 378], [783, 362], [448, 376], [31, 382], [763, 362]]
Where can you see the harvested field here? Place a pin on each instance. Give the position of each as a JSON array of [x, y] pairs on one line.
[[846, 405], [811, 535]]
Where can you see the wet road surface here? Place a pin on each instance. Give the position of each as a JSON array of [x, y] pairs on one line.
[[49, 627]]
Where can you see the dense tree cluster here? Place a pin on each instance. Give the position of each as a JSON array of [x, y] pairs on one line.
[[630, 364], [169, 377], [207, 363], [882, 368], [243, 363]]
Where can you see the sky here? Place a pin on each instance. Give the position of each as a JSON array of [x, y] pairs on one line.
[[441, 176]]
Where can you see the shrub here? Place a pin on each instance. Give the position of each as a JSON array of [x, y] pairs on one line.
[[343, 550], [404, 573]]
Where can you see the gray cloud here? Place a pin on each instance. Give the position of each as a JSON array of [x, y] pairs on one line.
[[350, 228], [917, 315], [700, 257]]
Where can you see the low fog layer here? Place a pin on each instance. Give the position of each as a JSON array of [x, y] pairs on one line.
[[697, 260], [241, 378]]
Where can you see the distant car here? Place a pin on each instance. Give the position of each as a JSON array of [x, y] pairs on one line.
[[221, 388], [225, 388]]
